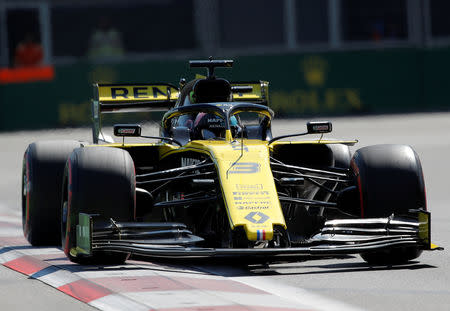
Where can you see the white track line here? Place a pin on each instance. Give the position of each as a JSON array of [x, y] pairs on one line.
[[296, 295], [118, 302]]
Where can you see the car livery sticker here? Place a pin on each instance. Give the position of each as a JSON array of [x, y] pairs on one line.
[[257, 217], [245, 168], [260, 235]]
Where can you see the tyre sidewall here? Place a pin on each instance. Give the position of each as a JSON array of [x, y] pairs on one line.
[[42, 175], [389, 179], [101, 181]]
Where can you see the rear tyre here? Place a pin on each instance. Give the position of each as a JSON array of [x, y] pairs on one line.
[[99, 180], [390, 181], [341, 155], [42, 176]]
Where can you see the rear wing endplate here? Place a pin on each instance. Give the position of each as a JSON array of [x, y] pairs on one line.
[[255, 91]]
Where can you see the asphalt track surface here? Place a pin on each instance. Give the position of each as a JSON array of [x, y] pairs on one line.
[[336, 284]]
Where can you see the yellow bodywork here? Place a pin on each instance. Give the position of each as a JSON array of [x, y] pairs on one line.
[[247, 185], [245, 177], [135, 93]]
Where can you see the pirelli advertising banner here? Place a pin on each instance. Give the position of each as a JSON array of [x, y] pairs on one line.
[[301, 84]]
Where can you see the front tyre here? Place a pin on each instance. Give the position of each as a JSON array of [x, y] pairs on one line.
[[390, 181], [98, 180]]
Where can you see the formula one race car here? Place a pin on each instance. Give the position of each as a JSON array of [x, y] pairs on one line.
[[218, 184]]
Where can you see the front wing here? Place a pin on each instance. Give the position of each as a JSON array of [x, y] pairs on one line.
[[173, 240]]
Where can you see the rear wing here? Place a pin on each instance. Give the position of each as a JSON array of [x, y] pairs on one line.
[[255, 91], [120, 98], [135, 97]]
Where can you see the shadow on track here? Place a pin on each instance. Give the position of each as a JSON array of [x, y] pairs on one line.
[[337, 268]]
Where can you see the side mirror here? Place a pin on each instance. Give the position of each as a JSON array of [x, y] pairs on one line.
[[132, 130], [319, 127]]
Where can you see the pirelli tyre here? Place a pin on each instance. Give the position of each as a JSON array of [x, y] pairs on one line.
[[98, 180], [390, 181], [42, 175], [341, 155]]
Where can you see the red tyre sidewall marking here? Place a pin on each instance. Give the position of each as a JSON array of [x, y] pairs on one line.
[[361, 202], [358, 179]]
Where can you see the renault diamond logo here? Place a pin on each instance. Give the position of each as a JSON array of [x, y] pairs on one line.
[[257, 217]]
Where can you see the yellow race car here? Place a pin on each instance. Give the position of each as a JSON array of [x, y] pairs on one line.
[[218, 184]]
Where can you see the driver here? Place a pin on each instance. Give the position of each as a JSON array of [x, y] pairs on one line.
[[208, 125], [211, 126]]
